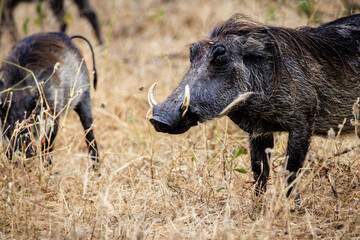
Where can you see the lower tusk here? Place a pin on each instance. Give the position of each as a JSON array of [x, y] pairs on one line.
[[186, 103], [239, 99], [151, 99], [184, 113]]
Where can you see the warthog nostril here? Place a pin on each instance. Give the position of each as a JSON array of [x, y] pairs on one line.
[[160, 125]]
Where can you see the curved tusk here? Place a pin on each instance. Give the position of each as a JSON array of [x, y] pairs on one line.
[[186, 103], [151, 99]]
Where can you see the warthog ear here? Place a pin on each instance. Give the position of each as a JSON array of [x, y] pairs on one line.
[[255, 44]]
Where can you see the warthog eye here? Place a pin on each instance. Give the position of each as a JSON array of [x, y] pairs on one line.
[[4, 106], [220, 56], [31, 102]]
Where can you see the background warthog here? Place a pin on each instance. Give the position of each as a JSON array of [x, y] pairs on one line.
[[268, 79], [57, 7], [62, 84]]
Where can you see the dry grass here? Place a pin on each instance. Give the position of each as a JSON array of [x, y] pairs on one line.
[[159, 186]]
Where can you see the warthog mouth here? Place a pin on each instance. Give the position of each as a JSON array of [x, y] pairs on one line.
[[162, 125]]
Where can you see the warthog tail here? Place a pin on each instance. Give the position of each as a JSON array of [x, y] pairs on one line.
[[93, 55]]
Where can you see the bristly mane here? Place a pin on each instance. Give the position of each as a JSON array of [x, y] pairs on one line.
[[33, 53], [303, 43]]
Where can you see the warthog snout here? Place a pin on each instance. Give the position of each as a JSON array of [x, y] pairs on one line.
[[169, 116], [160, 125]]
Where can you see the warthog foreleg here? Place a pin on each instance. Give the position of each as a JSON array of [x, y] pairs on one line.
[[259, 159]]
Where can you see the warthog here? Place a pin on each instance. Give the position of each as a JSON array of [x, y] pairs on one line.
[[57, 7], [268, 79], [61, 83]]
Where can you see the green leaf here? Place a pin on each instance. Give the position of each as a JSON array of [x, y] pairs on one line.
[[240, 151], [158, 15], [68, 19], [270, 12], [219, 189], [39, 8], [42, 16], [240, 170], [25, 26]]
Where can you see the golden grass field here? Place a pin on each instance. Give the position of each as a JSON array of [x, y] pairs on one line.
[[159, 186]]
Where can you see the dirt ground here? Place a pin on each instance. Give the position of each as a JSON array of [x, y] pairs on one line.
[[158, 186]]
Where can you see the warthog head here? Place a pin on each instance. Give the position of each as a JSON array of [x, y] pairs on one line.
[[19, 106], [217, 81]]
